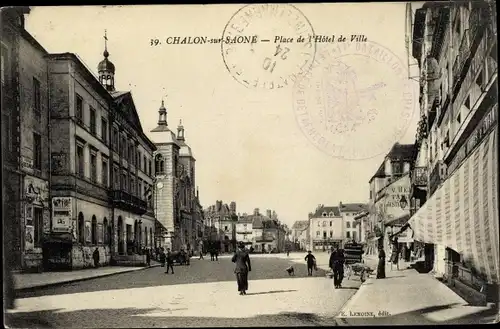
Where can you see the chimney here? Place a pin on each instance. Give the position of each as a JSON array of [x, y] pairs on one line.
[[275, 216], [311, 215], [340, 204], [269, 213], [256, 211], [218, 205], [232, 206]]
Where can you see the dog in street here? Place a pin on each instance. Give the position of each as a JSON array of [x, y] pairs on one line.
[[290, 270]]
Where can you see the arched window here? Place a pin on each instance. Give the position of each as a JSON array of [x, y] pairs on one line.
[[324, 214], [159, 165], [94, 230], [348, 225], [81, 228], [105, 230]]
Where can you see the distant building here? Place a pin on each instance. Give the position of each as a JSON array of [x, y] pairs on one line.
[[300, 235], [244, 230], [353, 228], [224, 218], [326, 228]]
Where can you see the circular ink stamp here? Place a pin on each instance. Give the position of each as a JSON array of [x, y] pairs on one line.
[[267, 46], [356, 100]]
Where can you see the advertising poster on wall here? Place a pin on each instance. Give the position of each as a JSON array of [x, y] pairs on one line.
[[61, 214], [88, 237], [99, 233], [29, 241]]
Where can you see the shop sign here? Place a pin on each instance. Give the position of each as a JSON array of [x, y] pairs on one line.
[[396, 202], [480, 132], [62, 214]]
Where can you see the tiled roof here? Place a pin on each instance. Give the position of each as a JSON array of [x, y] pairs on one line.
[[402, 152], [245, 219], [319, 212], [353, 207]]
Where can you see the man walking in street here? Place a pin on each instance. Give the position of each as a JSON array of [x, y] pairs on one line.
[[336, 263], [310, 259], [169, 260]]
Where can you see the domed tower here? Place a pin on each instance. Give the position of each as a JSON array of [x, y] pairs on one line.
[[166, 163], [186, 155], [106, 69]]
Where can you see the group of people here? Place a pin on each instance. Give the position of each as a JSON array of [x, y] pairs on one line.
[[396, 250], [336, 263]]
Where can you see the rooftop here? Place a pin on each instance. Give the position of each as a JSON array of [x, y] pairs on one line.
[[398, 152], [325, 209]]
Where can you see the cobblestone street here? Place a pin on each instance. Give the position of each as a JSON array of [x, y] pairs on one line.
[[202, 294]]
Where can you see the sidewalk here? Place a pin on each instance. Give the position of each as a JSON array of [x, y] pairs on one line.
[[408, 297], [28, 281]]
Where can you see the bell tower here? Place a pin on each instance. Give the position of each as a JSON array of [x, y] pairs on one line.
[[106, 69], [166, 159]]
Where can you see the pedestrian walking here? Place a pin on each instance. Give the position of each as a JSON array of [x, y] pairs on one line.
[[381, 263], [169, 260], [95, 256], [148, 257], [241, 259], [396, 250], [201, 254], [216, 253], [337, 260], [310, 259]]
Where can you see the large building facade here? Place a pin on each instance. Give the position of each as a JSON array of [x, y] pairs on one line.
[[74, 155], [455, 47], [25, 143], [100, 167]]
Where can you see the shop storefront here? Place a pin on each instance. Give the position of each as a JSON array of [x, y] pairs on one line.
[[462, 216]]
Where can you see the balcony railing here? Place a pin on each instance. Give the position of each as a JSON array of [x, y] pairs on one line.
[[126, 201], [419, 176], [438, 174]]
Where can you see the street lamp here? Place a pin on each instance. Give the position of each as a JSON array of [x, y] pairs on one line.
[[403, 202]]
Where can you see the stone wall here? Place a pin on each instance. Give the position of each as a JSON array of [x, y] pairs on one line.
[[82, 256]]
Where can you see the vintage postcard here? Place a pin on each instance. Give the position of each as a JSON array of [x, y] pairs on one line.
[[235, 165]]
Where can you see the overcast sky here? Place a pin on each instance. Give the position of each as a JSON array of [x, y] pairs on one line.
[[248, 145]]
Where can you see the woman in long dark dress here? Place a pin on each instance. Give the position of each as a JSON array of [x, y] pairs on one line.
[[381, 263], [242, 261], [395, 252]]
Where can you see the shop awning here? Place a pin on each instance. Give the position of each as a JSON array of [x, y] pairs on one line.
[[463, 213]]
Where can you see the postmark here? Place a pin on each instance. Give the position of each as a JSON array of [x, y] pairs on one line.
[[356, 101], [264, 46]]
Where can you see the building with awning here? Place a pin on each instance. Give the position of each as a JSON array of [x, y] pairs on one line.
[[463, 213], [456, 210]]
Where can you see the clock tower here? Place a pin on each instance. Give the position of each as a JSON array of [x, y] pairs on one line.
[[166, 160]]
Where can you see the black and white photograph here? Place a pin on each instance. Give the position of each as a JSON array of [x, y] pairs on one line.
[[250, 165]]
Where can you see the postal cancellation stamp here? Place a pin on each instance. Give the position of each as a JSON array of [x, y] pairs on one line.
[[355, 101], [265, 45]]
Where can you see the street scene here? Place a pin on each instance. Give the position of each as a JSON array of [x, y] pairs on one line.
[[268, 167]]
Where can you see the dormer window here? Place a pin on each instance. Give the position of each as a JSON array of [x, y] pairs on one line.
[[331, 214], [324, 214]]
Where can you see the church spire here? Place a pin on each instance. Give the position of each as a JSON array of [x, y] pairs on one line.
[[162, 121], [180, 131], [106, 69]]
